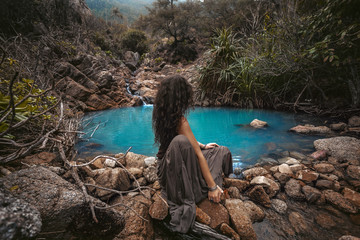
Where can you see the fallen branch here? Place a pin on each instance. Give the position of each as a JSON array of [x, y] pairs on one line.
[[121, 204], [75, 176]]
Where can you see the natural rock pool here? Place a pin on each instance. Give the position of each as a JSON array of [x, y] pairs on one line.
[[119, 129]]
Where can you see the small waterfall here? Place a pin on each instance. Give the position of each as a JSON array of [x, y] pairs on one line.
[[132, 94]]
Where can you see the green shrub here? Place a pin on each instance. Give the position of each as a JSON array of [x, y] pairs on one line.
[[135, 40]]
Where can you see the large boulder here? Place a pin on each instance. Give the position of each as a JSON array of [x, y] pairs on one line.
[[18, 219], [342, 148], [240, 219], [64, 211]]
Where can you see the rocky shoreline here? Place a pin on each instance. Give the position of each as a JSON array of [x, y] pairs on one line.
[[297, 196]]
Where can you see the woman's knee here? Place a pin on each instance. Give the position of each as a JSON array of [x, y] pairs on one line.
[[181, 140]]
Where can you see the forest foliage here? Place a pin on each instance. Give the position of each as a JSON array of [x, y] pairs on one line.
[[269, 53]]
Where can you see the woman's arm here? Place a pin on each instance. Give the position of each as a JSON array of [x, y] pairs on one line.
[[184, 129]]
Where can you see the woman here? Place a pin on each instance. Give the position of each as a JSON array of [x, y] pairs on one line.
[[188, 171]]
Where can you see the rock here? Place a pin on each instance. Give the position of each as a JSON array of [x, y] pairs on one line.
[[318, 155], [330, 177], [348, 237], [271, 186], [292, 161], [274, 169], [258, 124], [18, 219], [342, 148], [104, 79], [109, 163], [95, 101], [311, 194], [270, 146], [307, 176], [297, 155], [135, 227], [228, 231], [325, 221], [240, 219], [352, 196], [77, 90], [4, 171], [136, 172], [259, 195], [131, 57], [255, 213], [61, 204], [298, 222], [217, 212], [279, 206], [253, 172], [296, 167], [311, 129], [267, 161], [260, 180], [67, 70], [282, 177], [242, 185], [120, 158], [156, 185], [98, 163], [293, 189], [150, 174], [158, 209], [135, 160], [339, 201], [234, 192], [285, 159], [149, 161], [353, 172], [324, 168], [202, 217], [355, 218], [284, 168], [58, 170], [354, 121], [42, 158], [113, 178], [324, 184], [338, 126]]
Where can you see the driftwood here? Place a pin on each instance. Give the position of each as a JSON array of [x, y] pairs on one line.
[[198, 232]]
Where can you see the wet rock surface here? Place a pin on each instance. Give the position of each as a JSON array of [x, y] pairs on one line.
[[62, 206]]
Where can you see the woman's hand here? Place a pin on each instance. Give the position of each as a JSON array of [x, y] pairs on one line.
[[211, 145], [214, 195]]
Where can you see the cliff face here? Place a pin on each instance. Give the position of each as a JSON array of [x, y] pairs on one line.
[[26, 16]]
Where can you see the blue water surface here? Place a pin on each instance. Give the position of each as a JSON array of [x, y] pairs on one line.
[[119, 129]]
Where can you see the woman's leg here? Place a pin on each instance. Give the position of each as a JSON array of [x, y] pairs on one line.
[[181, 180], [220, 161]]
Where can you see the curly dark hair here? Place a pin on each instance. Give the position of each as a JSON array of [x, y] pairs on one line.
[[173, 99]]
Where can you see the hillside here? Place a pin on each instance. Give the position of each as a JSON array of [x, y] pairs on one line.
[[131, 10]]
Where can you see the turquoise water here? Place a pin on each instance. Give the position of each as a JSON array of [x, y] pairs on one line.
[[119, 129]]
